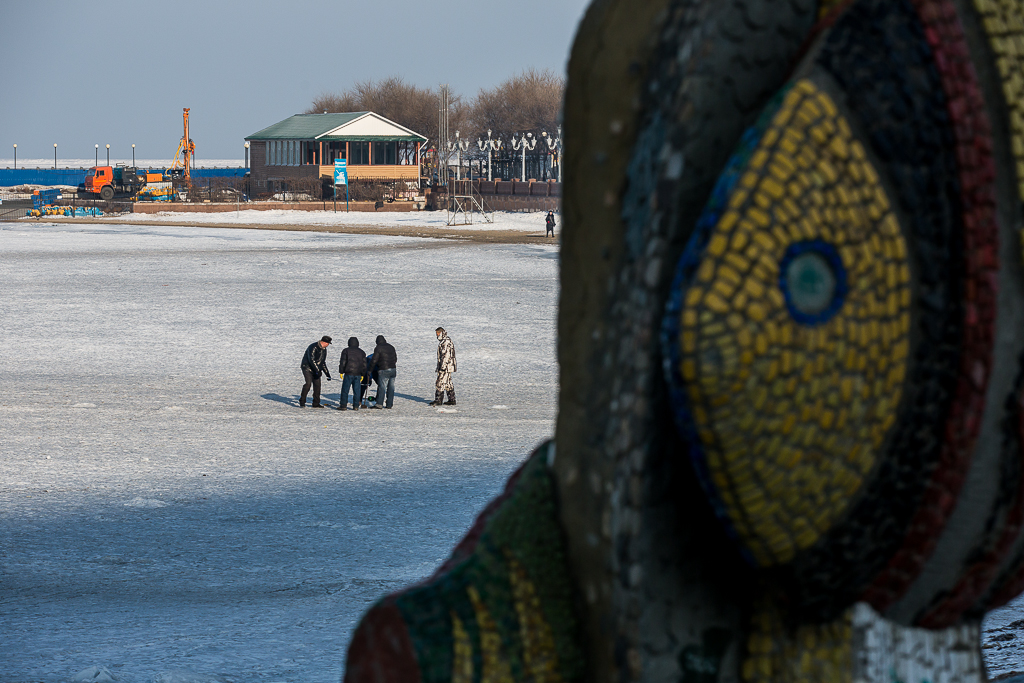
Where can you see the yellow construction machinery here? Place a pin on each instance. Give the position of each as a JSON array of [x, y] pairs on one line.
[[182, 166]]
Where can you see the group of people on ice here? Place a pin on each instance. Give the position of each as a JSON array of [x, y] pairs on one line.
[[358, 371]]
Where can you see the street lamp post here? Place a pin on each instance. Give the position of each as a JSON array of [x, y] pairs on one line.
[[451, 146], [527, 142], [555, 145], [97, 155], [55, 156], [108, 155], [133, 156], [463, 147], [15, 156], [490, 146], [247, 155]]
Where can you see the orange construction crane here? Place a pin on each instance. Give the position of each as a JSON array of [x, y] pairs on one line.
[[186, 150]]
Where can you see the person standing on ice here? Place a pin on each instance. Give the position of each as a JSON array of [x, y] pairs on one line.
[[549, 222], [385, 361], [352, 366], [314, 363], [369, 379], [446, 366]]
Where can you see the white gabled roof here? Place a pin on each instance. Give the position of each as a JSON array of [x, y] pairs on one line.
[[369, 126]]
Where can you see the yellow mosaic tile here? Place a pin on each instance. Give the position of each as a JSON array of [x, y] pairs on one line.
[[462, 655], [1003, 21], [495, 667], [777, 653], [796, 390], [539, 657]]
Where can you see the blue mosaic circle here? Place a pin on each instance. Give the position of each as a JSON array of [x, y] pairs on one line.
[[813, 280]]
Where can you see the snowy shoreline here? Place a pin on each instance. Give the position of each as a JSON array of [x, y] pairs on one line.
[[502, 220], [526, 223]]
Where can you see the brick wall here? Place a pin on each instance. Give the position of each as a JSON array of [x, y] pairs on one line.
[[531, 188], [157, 207], [257, 155], [260, 172], [504, 202], [522, 203]]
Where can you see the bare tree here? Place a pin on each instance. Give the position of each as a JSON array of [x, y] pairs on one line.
[[530, 102], [393, 98], [333, 102]]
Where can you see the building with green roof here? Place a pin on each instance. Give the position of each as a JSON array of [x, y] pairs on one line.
[[306, 146]]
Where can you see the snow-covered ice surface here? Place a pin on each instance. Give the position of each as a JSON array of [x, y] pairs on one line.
[[168, 514], [502, 220], [1002, 638]]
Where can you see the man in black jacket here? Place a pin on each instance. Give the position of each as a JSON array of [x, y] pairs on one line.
[[352, 366], [385, 359], [314, 363]]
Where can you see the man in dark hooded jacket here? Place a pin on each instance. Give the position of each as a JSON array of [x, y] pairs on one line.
[[352, 366], [314, 364], [385, 360]]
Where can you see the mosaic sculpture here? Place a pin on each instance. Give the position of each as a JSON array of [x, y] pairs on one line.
[[789, 443]]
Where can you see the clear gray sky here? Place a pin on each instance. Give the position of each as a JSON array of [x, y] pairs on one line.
[[83, 73]]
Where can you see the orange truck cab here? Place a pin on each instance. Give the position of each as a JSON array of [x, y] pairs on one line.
[[97, 178]]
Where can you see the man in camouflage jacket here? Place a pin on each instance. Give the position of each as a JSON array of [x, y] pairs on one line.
[[445, 367]]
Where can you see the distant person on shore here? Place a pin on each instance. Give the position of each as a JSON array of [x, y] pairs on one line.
[[446, 367], [314, 364], [549, 221], [353, 366], [384, 363]]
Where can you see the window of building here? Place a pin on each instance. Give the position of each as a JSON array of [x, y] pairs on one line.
[[407, 153], [385, 153], [332, 151], [359, 152], [310, 152]]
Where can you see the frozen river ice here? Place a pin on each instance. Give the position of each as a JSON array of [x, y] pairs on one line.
[[168, 514], [165, 510]]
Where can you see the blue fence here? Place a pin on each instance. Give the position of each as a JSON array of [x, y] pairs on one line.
[[74, 176], [218, 172]]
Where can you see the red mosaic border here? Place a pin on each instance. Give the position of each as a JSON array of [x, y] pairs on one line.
[[1013, 584], [966, 107]]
